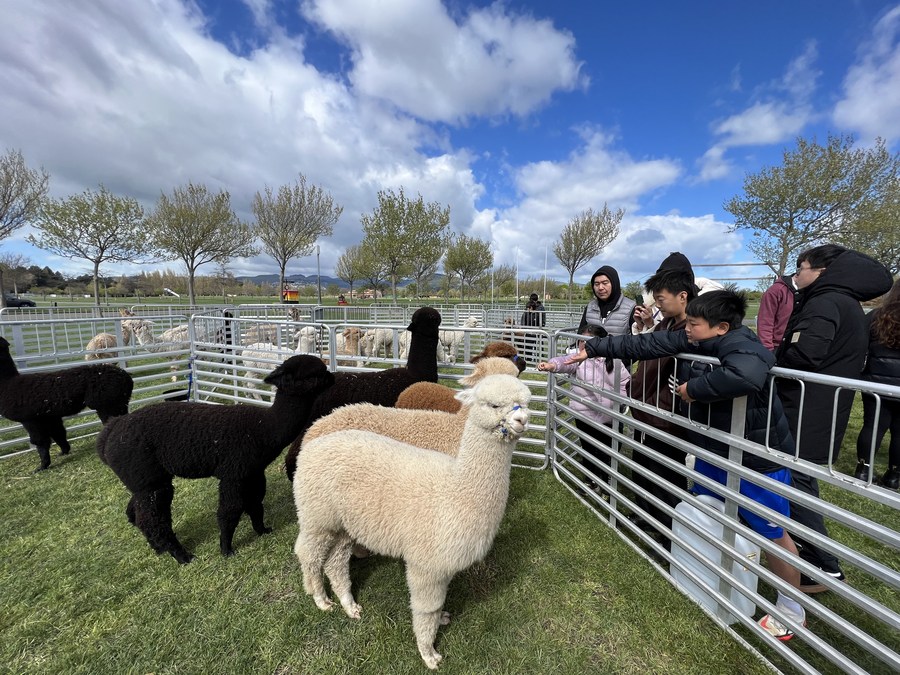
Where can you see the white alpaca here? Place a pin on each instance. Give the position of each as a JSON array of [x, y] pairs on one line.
[[172, 339], [448, 341], [101, 343], [439, 513], [451, 339], [306, 340], [376, 341], [264, 356]]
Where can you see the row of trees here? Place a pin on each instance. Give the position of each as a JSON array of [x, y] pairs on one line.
[[832, 192]]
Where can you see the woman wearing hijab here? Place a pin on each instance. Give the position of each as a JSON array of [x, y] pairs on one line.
[[608, 308]]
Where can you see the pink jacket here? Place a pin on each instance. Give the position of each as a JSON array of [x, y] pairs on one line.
[[593, 371], [775, 308]]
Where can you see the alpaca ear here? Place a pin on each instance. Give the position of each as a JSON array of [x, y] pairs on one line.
[[465, 396]]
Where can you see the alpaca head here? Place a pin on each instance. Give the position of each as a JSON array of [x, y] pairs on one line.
[[301, 374], [499, 403], [504, 350], [472, 322], [489, 366], [425, 321]]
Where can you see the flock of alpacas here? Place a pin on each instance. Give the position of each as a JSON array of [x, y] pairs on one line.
[[388, 460]]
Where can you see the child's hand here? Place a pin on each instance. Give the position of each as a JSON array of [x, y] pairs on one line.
[[545, 365], [577, 357]]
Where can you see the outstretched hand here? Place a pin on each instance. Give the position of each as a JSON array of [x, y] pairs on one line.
[[577, 357]]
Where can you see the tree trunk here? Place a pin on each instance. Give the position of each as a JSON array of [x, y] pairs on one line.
[[571, 281], [190, 281], [2, 294], [97, 283], [281, 283]]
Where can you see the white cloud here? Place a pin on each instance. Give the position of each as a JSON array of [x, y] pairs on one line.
[[767, 121], [552, 193], [437, 67], [871, 96]]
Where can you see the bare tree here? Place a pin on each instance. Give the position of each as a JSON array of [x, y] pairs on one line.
[[586, 235], [99, 227], [21, 192], [290, 223], [198, 227], [372, 267], [13, 266], [468, 258], [349, 266]]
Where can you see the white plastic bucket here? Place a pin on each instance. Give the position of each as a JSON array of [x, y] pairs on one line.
[[688, 548]]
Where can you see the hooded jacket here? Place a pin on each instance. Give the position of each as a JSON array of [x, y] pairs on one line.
[[616, 314], [827, 335], [775, 309], [744, 370], [593, 372]]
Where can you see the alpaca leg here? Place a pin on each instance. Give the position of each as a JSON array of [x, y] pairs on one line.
[[231, 506], [129, 511], [253, 492], [40, 439], [312, 549], [57, 431], [427, 595], [153, 516], [337, 568]]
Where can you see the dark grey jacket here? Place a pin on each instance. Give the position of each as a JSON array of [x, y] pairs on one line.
[[744, 371], [882, 363]]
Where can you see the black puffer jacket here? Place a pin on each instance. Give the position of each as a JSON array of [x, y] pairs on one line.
[[882, 363], [744, 371], [827, 335]]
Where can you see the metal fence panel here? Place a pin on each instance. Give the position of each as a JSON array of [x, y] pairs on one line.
[[867, 622]]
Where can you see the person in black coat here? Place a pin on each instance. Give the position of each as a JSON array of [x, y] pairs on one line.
[[825, 335], [883, 367], [535, 313], [714, 328]]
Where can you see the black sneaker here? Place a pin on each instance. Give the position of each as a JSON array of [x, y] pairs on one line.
[[810, 585], [862, 470], [891, 478]]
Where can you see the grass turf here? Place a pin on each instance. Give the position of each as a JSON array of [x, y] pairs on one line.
[[81, 591]]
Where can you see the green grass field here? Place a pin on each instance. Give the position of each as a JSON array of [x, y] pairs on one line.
[[82, 592]]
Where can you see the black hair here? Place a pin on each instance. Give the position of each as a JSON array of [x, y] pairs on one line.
[[590, 330], [718, 307], [674, 281], [821, 256]]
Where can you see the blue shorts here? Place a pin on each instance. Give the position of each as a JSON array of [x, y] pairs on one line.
[[752, 491]]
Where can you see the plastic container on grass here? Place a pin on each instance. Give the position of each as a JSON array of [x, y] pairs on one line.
[[688, 548]]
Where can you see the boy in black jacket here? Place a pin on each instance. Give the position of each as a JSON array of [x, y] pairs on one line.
[[714, 328]]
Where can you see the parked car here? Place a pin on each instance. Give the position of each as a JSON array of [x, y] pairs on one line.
[[12, 301]]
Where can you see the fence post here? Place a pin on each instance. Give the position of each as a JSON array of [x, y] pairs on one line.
[[732, 482]]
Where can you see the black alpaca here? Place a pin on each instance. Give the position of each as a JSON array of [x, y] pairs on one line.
[[382, 387], [39, 401], [234, 443]]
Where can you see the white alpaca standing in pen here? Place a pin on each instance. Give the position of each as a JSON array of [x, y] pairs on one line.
[[438, 513]]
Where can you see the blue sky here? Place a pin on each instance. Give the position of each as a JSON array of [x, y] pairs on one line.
[[518, 115]]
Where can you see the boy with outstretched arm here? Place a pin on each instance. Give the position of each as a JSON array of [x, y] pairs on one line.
[[714, 328]]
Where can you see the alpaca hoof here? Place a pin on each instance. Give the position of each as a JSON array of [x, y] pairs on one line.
[[323, 603], [445, 619], [43, 467], [264, 530], [228, 552], [431, 658], [353, 610], [183, 557], [65, 452]]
